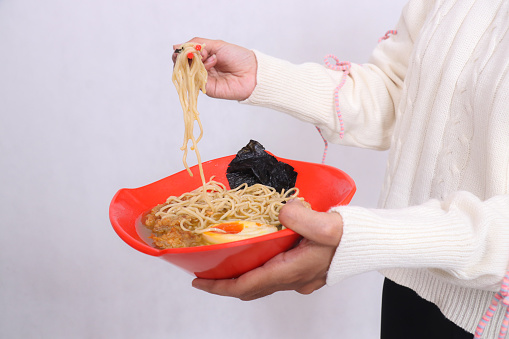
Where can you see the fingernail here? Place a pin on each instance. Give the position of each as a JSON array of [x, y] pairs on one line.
[[210, 59], [293, 200], [196, 284]]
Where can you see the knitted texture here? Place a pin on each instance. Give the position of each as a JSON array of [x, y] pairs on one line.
[[435, 94], [345, 68], [501, 298]]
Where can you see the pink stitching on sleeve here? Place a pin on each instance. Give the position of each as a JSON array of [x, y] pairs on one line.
[[500, 298], [388, 34], [345, 68]]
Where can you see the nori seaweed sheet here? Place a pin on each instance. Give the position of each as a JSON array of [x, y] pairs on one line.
[[253, 165]]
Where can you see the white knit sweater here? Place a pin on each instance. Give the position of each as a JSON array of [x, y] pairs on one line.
[[437, 95]]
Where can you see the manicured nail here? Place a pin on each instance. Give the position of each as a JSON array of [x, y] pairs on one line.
[[211, 59]]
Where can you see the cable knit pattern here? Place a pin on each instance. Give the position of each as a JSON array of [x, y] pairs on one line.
[[437, 95]]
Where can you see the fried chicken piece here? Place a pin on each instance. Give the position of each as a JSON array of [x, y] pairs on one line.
[[175, 237]]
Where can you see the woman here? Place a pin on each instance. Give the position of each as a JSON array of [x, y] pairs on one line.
[[435, 93]]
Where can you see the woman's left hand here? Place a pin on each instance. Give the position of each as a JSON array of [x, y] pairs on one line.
[[303, 268]]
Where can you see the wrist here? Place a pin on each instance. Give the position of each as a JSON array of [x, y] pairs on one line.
[[337, 231]]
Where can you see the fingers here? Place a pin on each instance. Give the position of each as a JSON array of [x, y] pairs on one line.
[[276, 275], [255, 284], [312, 286], [209, 46], [303, 269], [207, 52], [210, 62], [323, 228], [194, 40], [230, 288], [286, 271]]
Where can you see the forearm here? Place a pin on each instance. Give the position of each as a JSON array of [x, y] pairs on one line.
[[463, 240], [306, 92]]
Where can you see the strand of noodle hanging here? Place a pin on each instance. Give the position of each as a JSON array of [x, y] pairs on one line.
[[345, 68], [189, 77]]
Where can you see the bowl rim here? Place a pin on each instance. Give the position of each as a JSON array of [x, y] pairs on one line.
[[147, 249]]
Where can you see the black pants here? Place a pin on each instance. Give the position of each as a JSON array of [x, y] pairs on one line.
[[405, 315]]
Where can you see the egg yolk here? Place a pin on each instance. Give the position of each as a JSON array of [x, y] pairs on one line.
[[237, 230], [230, 227]]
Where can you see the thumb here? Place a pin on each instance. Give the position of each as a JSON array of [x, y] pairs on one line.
[[320, 227], [210, 62]]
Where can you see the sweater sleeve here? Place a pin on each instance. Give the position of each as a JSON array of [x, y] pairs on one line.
[[462, 240], [367, 100]]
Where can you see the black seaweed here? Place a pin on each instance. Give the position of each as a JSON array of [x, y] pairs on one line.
[[253, 165]]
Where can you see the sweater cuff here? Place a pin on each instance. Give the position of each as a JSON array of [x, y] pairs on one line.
[[413, 237]]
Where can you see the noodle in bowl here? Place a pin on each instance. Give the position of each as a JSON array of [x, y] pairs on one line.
[[181, 221]]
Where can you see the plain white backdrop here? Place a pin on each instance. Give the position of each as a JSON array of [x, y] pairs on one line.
[[87, 107]]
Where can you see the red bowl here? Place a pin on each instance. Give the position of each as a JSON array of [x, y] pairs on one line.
[[321, 185]]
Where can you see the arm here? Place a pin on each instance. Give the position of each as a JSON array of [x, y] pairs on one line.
[[462, 240], [368, 100], [306, 92]]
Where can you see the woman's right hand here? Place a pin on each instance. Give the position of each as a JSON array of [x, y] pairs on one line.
[[231, 69]]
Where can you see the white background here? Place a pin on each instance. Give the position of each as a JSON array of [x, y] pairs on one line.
[[87, 107]]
